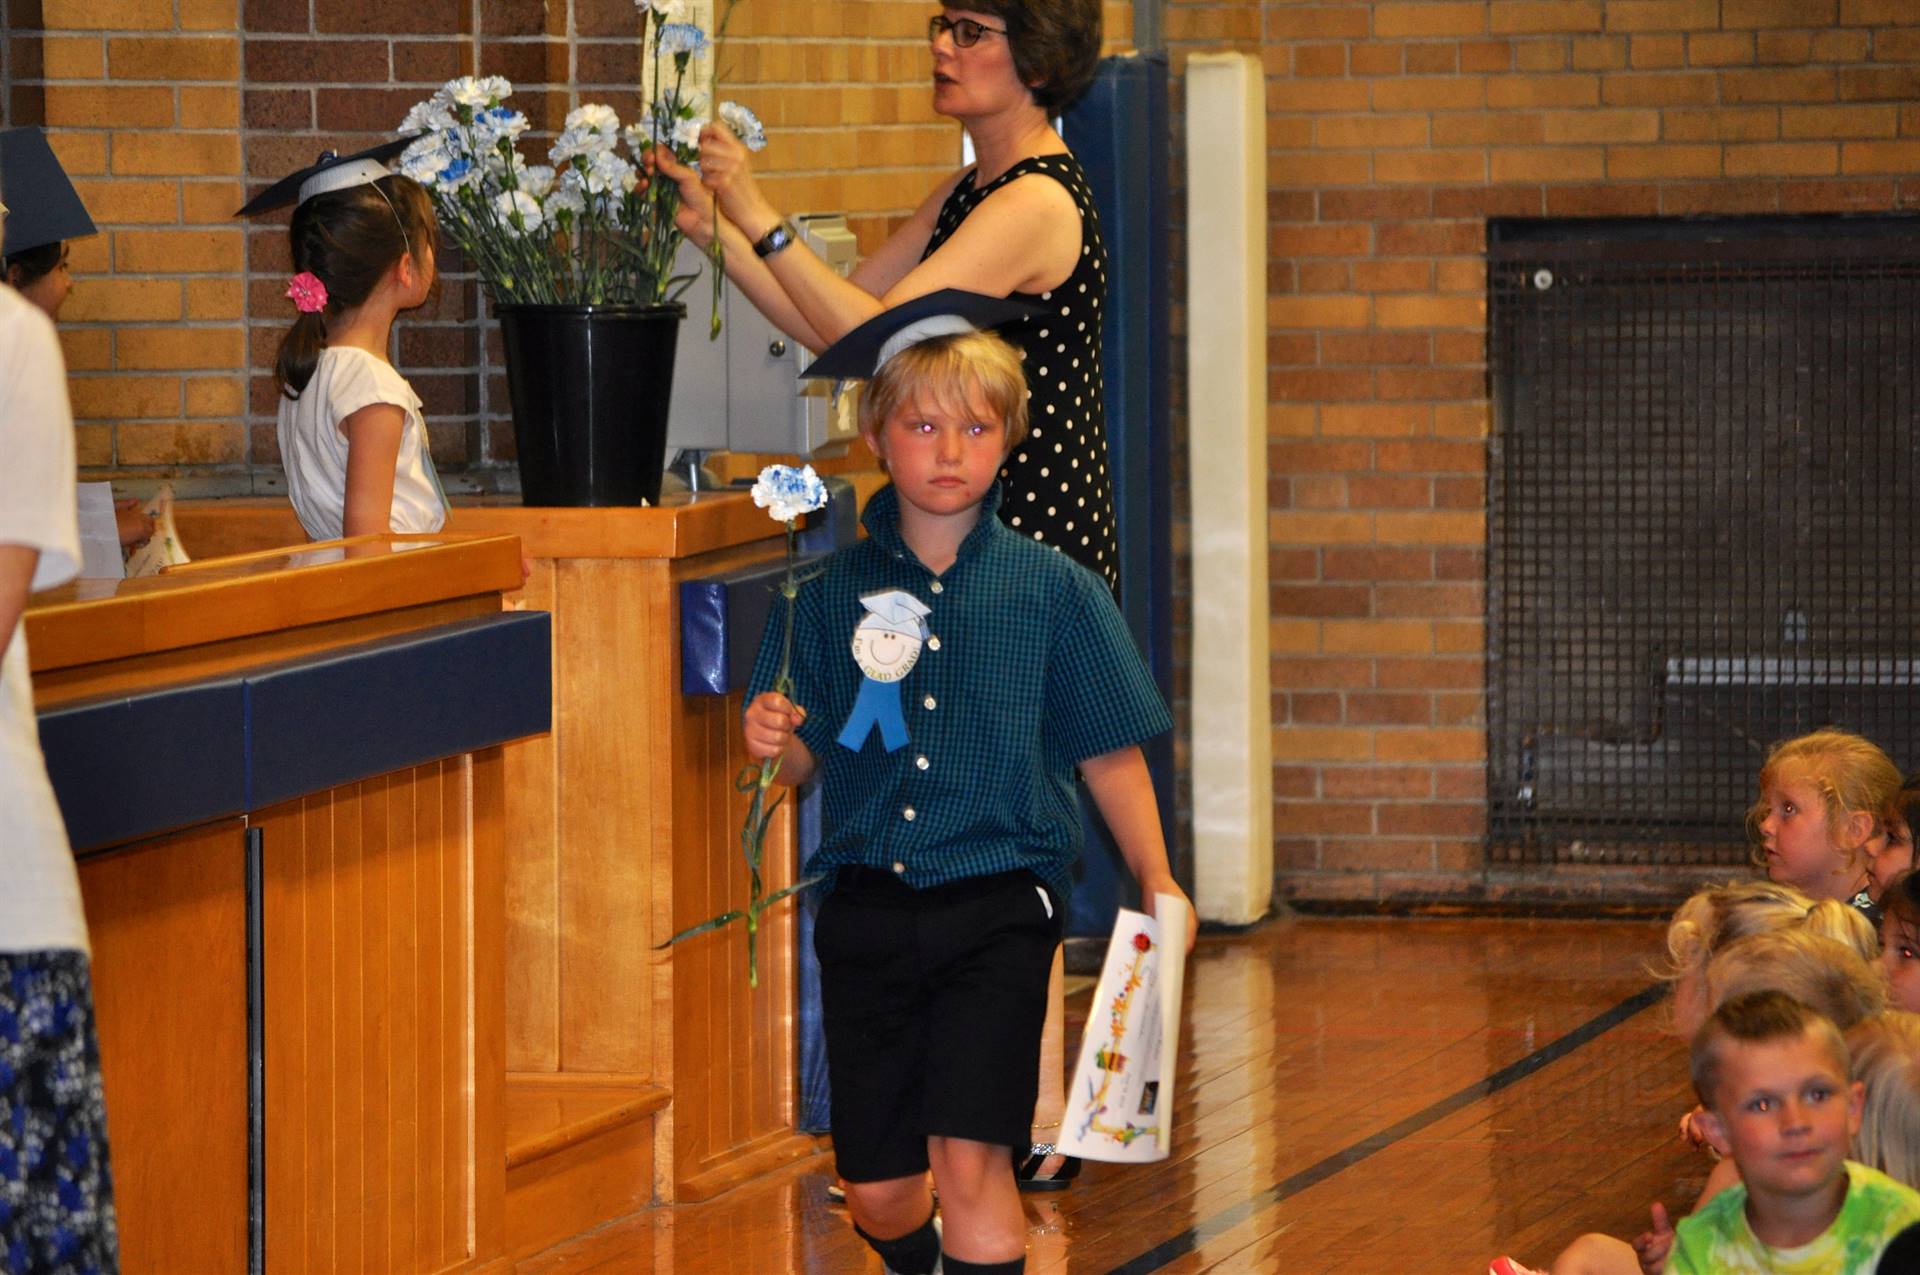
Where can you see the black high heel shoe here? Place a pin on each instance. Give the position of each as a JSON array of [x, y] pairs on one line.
[[1029, 1178]]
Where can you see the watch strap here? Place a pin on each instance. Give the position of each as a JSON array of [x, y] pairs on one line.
[[774, 240]]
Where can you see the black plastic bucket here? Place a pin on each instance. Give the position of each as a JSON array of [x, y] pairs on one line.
[[591, 385]]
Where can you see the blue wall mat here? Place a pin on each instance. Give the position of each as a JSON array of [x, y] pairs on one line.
[[243, 743], [1119, 133], [126, 768]]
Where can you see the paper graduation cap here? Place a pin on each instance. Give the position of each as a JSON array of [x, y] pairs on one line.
[[328, 173], [42, 206], [862, 352]]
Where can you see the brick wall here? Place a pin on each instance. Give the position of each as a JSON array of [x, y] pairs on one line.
[[1394, 130], [166, 111]]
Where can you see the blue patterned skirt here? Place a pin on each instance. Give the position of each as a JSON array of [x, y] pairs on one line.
[[56, 1188]]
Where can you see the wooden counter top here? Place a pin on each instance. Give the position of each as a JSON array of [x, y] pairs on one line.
[[682, 526], [92, 621]]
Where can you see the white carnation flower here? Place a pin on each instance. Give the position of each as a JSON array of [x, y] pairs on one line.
[[594, 117], [566, 198], [607, 173], [535, 179], [517, 206], [430, 116], [478, 94]]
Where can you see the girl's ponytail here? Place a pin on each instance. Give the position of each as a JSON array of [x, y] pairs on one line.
[[300, 353]]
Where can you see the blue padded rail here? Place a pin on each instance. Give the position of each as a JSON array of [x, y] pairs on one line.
[[135, 766], [723, 616]]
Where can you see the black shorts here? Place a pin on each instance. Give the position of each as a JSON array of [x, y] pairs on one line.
[[933, 1002]]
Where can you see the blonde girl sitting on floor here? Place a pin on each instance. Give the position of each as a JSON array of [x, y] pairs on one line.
[[1824, 799]]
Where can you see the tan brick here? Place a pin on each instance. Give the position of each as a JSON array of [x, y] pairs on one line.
[[1379, 492], [1377, 59], [1783, 48], [1437, 528], [1321, 818], [1720, 48], [1735, 14], [1880, 157], [1315, 168], [216, 395], [1368, 131], [1373, 420], [182, 443], [1377, 637], [79, 57], [216, 299], [90, 255], [1599, 53], [81, 154], [1392, 275], [1603, 126], [1485, 55], [113, 300], [1290, 527], [1537, 55], [166, 349], [1663, 15], [1431, 744], [1742, 124], [1654, 52], [1548, 164], [117, 398], [1450, 17], [1539, 16], [1654, 88], [1432, 59], [203, 106], [1433, 819], [98, 105], [1860, 120], [1319, 491], [121, 15], [1879, 83], [1429, 312], [1429, 167], [1866, 13], [1291, 420], [1543, 90], [1293, 636], [1459, 637], [1483, 128], [128, 201], [1436, 93], [1460, 276], [1318, 311], [93, 445], [209, 15], [1663, 161], [176, 154], [1806, 84], [174, 58], [1843, 46], [209, 203], [1320, 59], [1322, 743], [1783, 159], [179, 251], [86, 349], [1401, 783], [1316, 95]]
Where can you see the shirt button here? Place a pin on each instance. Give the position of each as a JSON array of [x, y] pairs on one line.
[[937, 587], [899, 867], [928, 701], [933, 644], [922, 762], [907, 814]]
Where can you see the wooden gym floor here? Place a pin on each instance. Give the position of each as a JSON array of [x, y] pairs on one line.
[[1356, 1096]]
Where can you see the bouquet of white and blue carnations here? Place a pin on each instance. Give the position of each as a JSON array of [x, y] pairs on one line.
[[585, 228]]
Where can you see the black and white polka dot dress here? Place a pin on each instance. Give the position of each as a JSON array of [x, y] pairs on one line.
[[1056, 486]]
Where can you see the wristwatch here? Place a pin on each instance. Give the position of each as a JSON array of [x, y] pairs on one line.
[[776, 239]]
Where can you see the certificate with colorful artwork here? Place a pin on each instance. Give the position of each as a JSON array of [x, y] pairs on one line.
[[1120, 1104]]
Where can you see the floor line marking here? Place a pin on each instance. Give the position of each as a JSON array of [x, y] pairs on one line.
[[1187, 1241]]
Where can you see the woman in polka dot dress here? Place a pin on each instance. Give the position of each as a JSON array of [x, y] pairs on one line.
[[1020, 222]]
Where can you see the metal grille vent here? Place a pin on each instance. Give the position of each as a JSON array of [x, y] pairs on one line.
[[1702, 532]]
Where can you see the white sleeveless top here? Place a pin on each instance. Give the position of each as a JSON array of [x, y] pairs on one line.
[[314, 450], [39, 890]]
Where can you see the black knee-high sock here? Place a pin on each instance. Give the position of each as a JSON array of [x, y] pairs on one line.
[[915, 1253], [951, 1265]]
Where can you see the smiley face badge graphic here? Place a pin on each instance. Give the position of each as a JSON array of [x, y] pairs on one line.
[[886, 644]]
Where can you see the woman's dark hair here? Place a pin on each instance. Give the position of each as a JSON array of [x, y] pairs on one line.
[[1055, 43], [1902, 900], [349, 239], [34, 264]]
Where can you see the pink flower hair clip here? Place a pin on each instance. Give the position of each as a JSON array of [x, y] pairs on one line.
[[308, 293]]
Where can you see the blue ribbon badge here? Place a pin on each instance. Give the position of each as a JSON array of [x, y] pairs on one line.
[[886, 645]]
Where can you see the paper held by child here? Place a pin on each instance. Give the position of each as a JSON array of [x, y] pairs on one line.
[[1120, 1104]]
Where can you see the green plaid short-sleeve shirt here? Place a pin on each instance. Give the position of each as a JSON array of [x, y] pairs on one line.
[[1027, 671]]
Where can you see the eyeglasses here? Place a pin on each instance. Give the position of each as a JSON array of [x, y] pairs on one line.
[[966, 32]]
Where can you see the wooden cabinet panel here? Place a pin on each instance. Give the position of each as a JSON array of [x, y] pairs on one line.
[[168, 926], [374, 900]]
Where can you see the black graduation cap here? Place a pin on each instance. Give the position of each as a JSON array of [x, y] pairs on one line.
[[42, 205], [330, 172], [860, 353]]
